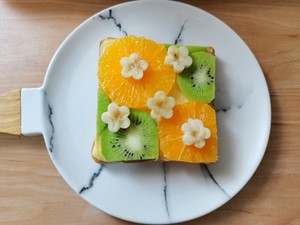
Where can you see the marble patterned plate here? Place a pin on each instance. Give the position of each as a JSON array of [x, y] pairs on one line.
[[152, 192]]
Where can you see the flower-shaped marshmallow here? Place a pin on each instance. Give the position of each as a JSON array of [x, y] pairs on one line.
[[195, 133], [133, 66], [178, 58], [161, 105], [116, 117]]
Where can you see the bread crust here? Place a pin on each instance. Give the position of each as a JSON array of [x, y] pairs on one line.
[[102, 46]]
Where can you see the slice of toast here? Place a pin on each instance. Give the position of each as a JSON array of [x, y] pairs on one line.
[[97, 154]]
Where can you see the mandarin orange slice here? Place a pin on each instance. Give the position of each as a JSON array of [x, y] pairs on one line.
[[128, 91], [171, 146]]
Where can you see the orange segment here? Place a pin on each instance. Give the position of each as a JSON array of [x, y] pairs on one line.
[[128, 91], [177, 94], [170, 134]]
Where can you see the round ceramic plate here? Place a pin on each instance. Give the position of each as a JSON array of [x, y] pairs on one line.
[[153, 192]]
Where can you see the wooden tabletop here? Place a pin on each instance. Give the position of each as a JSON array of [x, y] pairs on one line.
[[33, 192]]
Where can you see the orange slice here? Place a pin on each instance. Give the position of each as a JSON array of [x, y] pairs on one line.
[[128, 91], [171, 146]]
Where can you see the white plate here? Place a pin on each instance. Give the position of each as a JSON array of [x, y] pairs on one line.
[[155, 192]]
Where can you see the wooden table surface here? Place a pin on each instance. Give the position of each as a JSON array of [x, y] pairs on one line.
[[33, 192]]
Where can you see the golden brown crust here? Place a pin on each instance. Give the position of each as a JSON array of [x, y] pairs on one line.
[[104, 44], [210, 50]]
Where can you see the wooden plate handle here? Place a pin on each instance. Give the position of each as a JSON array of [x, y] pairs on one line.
[[10, 112]]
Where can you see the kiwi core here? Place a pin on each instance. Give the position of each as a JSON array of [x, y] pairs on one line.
[[134, 140], [202, 77]]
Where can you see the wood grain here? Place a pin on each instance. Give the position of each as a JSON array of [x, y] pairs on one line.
[[32, 191], [10, 113]]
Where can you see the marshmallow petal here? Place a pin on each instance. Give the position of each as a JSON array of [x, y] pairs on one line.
[[125, 123], [183, 50], [178, 68], [199, 144]]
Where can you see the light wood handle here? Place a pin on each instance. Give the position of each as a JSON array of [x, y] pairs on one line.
[[10, 112]]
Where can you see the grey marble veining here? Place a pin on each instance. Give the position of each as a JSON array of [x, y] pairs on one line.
[[178, 39], [52, 128], [225, 109], [48, 122], [206, 172], [92, 179], [113, 18], [118, 25], [151, 192], [164, 165]]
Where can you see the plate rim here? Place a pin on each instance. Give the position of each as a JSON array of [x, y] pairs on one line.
[[179, 4]]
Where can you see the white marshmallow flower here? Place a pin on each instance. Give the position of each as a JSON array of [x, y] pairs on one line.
[[195, 133], [116, 117], [161, 105], [178, 58], [133, 66]]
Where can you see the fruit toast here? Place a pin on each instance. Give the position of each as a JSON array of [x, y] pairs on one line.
[[155, 102]]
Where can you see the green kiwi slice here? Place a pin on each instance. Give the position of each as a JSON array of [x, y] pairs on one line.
[[198, 81], [138, 142], [103, 103]]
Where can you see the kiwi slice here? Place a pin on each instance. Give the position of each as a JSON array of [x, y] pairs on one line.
[[103, 103], [198, 81], [138, 142]]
